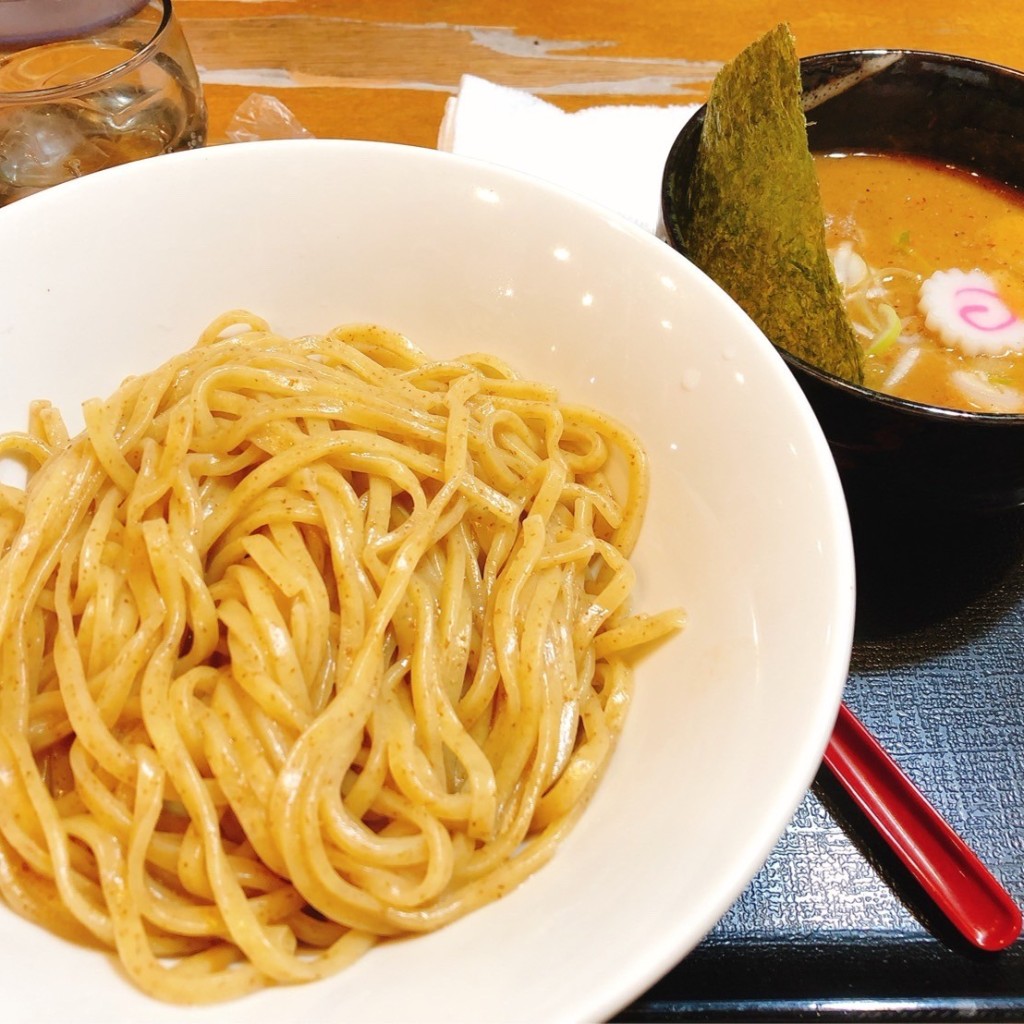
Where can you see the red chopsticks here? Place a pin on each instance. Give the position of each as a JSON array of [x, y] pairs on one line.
[[950, 872]]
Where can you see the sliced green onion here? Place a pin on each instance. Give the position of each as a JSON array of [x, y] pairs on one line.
[[886, 337]]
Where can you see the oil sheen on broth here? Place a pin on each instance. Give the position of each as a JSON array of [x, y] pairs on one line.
[[931, 260]]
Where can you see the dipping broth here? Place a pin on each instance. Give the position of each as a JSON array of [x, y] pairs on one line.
[[892, 222]]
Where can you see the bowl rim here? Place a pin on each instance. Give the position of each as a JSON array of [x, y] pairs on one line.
[[942, 56], [920, 410]]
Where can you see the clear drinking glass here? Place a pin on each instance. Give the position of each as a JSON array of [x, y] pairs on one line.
[[86, 84]]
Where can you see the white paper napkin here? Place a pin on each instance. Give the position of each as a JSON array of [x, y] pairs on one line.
[[613, 155]]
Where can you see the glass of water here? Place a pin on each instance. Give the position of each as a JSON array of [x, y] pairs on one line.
[[86, 84]]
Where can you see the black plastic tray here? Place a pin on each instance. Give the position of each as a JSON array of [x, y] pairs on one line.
[[833, 928]]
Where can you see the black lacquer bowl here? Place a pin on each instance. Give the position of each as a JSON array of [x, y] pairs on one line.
[[896, 456]]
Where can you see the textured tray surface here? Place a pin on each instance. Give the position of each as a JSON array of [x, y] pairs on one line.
[[833, 927]]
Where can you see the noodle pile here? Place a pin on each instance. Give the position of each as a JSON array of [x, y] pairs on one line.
[[304, 644]]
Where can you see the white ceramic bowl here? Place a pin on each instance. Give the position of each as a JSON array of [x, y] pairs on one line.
[[747, 528]]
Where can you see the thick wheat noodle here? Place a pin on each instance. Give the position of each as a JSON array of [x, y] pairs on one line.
[[304, 644]]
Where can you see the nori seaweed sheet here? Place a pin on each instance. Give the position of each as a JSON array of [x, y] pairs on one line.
[[756, 223]]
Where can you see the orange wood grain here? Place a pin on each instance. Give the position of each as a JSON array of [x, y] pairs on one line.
[[382, 69]]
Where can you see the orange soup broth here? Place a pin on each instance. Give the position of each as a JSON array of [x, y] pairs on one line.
[[907, 218]]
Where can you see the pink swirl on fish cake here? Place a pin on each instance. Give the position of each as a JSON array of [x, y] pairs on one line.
[[966, 311]]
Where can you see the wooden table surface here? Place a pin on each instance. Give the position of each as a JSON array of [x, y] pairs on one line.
[[382, 69]]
